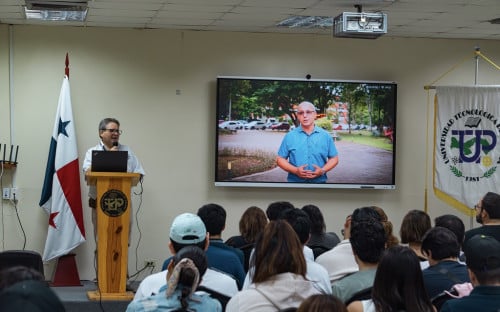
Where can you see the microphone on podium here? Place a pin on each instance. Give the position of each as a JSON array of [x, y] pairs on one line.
[[112, 149]]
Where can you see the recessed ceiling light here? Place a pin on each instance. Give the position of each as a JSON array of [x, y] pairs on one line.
[[298, 21], [75, 11]]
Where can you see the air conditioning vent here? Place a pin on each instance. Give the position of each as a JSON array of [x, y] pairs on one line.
[[56, 5]]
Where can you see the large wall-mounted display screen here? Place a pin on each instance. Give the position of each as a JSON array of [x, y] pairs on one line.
[[254, 114]]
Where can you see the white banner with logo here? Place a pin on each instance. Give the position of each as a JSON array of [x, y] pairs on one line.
[[467, 150]]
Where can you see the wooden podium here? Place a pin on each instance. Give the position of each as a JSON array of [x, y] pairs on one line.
[[113, 223]]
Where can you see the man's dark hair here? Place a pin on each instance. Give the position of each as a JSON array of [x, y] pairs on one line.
[[299, 220], [214, 218], [276, 208], [452, 223], [441, 242], [365, 214], [177, 246], [12, 275], [368, 240], [491, 203], [104, 123], [318, 225], [491, 277]]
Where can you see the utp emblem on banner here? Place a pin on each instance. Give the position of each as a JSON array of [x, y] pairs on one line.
[[470, 145]]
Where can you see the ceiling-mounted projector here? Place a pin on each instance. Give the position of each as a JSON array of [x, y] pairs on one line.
[[360, 25]]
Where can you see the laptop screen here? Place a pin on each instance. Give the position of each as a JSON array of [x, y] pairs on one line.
[[105, 161]]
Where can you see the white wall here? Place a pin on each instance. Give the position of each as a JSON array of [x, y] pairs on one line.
[[133, 75]]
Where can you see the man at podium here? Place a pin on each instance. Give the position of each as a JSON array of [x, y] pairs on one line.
[[109, 134]]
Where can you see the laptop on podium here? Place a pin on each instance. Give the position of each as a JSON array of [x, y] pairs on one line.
[[105, 161]]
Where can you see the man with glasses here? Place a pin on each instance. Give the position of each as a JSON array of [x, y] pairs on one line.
[[109, 134], [487, 214], [308, 152]]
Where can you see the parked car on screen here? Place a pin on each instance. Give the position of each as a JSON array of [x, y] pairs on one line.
[[252, 125], [281, 126], [231, 125], [269, 124], [337, 127], [342, 126]]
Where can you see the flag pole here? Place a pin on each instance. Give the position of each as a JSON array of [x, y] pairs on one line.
[[66, 69]]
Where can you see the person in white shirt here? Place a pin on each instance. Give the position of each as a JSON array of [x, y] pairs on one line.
[[109, 135], [188, 229], [339, 261]]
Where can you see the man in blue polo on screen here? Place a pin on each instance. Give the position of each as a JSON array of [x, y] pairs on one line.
[[308, 152]]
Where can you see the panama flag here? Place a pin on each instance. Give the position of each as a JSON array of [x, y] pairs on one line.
[[61, 197]]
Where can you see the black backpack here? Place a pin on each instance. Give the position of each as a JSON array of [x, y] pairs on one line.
[[223, 299], [363, 294]]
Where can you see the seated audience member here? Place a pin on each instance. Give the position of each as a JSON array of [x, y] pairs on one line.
[[221, 256], [185, 272], [279, 280], [398, 285], [441, 247], [322, 303], [299, 220], [392, 240], [24, 289], [320, 240], [10, 276], [456, 225], [188, 229], [368, 243], [252, 222], [482, 254], [413, 227], [487, 214], [274, 212], [274, 209], [340, 261]]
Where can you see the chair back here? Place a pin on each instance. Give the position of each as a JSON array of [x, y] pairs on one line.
[[27, 258]]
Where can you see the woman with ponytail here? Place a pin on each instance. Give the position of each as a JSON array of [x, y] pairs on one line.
[[184, 276]]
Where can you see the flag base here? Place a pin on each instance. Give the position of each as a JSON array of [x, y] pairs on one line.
[[66, 272]]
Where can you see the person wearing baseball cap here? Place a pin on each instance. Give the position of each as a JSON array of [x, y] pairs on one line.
[[482, 254], [188, 229]]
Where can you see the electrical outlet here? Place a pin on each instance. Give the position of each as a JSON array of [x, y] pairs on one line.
[[6, 193], [14, 193], [150, 263]]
